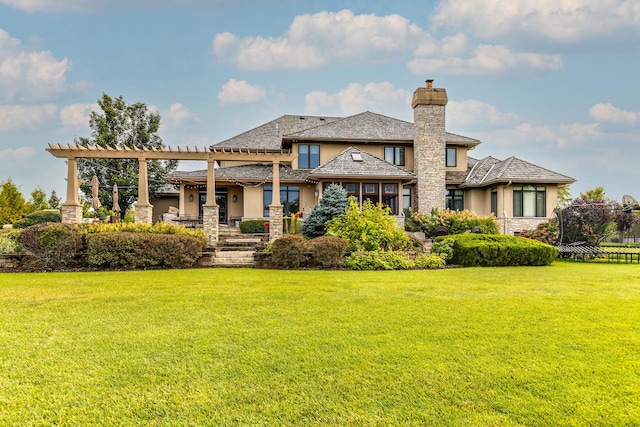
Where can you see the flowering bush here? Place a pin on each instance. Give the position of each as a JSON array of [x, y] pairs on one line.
[[546, 232], [457, 222]]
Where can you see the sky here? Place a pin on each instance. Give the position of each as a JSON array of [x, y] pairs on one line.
[[552, 82]]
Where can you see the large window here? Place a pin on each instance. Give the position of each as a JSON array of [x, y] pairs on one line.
[[352, 189], [390, 197], [455, 200], [394, 155], [452, 158], [370, 191], [529, 201], [289, 198], [308, 156]]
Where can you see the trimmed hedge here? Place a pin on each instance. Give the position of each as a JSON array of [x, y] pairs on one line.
[[50, 246], [497, 250], [39, 217], [328, 251], [288, 251], [142, 250], [253, 226]]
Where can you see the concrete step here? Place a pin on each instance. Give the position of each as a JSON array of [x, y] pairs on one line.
[[233, 258]]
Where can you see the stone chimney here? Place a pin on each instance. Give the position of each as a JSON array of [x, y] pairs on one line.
[[429, 147]]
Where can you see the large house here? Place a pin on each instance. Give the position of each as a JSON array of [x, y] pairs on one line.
[[417, 166]]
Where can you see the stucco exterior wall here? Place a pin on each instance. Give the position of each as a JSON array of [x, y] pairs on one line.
[[475, 200], [161, 205], [330, 150], [253, 203]]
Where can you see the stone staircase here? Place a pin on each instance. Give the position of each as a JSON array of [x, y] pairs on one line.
[[236, 250]]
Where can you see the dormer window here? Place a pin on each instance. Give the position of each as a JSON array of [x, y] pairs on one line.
[[394, 155]]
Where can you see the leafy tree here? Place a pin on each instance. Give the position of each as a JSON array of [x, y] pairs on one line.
[[586, 220], [593, 195], [371, 228], [121, 125], [564, 196], [12, 203], [334, 201], [54, 200], [38, 201]]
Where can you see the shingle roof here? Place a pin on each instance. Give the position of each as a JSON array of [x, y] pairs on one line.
[[269, 135], [346, 164], [365, 126], [490, 171], [254, 172]]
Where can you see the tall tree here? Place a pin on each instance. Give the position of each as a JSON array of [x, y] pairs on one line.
[[54, 200], [121, 125], [594, 194], [12, 204], [38, 201]]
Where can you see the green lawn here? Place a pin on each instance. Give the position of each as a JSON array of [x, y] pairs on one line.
[[556, 345]]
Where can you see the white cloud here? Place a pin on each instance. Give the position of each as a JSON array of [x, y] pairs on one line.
[[178, 115], [315, 40], [25, 116], [77, 115], [356, 98], [474, 112], [611, 114], [553, 21], [240, 92], [486, 59], [26, 74], [20, 153]]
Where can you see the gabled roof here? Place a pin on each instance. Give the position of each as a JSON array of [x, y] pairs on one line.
[[254, 172], [356, 163], [490, 170], [269, 135], [365, 126]]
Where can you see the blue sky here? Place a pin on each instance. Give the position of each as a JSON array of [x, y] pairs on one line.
[[553, 82]]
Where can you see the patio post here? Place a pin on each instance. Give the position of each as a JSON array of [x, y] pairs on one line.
[[143, 209], [275, 208], [211, 210], [72, 209]]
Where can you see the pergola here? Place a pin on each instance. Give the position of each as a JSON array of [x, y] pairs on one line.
[[72, 209]]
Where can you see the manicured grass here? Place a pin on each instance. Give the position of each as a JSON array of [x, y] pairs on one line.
[[556, 345]]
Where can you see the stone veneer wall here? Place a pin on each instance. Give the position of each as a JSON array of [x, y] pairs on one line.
[[429, 148], [71, 214], [9, 262], [210, 223], [276, 223], [144, 214], [516, 225]]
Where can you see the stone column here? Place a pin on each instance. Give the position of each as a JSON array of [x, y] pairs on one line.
[[72, 209], [211, 210], [143, 209], [275, 209], [429, 147]]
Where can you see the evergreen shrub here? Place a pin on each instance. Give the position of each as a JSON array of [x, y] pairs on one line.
[[334, 201], [489, 250], [142, 250], [39, 217], [288, 252], [253, 226], [328, 251], [50, 246]]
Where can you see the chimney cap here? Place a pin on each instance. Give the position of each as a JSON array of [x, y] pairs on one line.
[[429, 83]]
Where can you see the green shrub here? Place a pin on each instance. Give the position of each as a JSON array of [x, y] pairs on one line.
[[430, 262], [7, 244], [288, 251], [157, 228], [378, 260], [39, 217], [142, 250], [253, 226], [491, 250], [546, 232], [334, 202], [443, 247], [50, 246], [457, 222], [371, 228], [328, 251]]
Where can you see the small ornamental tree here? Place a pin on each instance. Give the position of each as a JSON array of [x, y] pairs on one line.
[[589, 221], [12, 204], [369, 229], [334, 201]]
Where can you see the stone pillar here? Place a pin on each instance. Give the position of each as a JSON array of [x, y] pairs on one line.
[[210, 217], [143, 209], [429, 147], [71, 208], [275, 222]]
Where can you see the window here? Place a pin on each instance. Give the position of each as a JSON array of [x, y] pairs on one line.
[[326, 185], [352, 189], [529, 201], [390, 197], [452, 157], [394, 155], [289, 198], [308, 156], [494, 201], [406, 198], [370, 191], [455, 200]]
